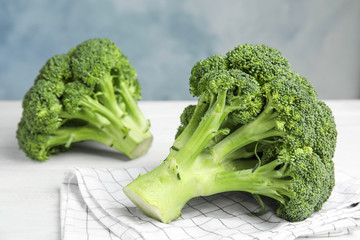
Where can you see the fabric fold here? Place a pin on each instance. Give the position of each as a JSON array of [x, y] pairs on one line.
[[93, 206]]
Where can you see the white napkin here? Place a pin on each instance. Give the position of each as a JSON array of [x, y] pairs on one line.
[[93, 206]]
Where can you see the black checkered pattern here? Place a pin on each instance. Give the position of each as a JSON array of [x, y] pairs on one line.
[[93, 206]]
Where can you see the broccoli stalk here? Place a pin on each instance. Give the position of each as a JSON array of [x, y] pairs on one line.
[[191, 170], [258, 127], [163, 192], [125, 130], [265, 126], [88, 94]]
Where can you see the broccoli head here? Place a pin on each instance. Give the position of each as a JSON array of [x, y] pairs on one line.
[[258, 127], [90, 93]]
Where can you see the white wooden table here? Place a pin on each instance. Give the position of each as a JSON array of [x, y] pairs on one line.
[[29, 190]]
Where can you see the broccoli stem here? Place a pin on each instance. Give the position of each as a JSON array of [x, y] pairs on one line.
[[67, 135], [107, 95], [200, 110], [132, 108], [207, 128], [163, 192], [239, 164], [272, 180], [263, 127], [126, 123], [128, 133]]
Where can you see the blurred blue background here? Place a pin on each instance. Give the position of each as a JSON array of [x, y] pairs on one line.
[[163, 39]]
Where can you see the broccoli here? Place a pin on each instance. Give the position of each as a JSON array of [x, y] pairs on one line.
[[89, 93], [258, 127]]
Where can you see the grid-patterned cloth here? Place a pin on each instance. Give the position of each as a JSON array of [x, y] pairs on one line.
[[93, 206]]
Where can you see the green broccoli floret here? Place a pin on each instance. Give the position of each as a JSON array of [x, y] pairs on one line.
[[88, 94], [258, 127]]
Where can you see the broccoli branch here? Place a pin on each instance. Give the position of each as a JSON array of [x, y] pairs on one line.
[[263, 127], [104, 113]]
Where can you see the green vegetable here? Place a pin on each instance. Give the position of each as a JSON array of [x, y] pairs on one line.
[[88, 94], [258, 127]]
